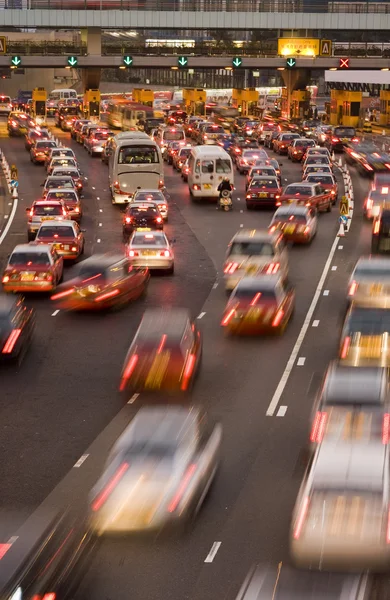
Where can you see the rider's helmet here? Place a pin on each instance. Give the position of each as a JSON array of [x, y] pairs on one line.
[[226, 179]]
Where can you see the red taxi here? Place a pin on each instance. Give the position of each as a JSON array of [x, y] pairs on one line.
[[70, 199], [297, 223], [297, 150], [326, 181], [261, 304], [103, 281], [40, 150], [262, 170], [263, 191], [72, 172], [283, 141], [41, 211], [33, 135], [310, 194], [33, 268], [65, 236]]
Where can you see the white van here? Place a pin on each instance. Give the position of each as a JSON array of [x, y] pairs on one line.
[[134, 162], [208, 165], [63, 94]]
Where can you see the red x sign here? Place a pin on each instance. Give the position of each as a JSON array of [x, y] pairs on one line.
[[344, 63]]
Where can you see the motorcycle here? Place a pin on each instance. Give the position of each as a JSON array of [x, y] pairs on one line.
[[225, 202]]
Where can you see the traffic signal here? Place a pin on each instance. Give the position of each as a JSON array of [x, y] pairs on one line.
[[344, 63], [182, 61], [237, 62], [72, 61], [16, 61], [128, 60], [291, 63]]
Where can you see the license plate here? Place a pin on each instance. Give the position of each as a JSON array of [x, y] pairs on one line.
[[207, 186], [48, 218], [149, 253], [345, 140], [157, 370], [253, 314], [56, 246], [263, 194], [251, 269], [143, 229], [66, 247], [290, 229], [27, 277]]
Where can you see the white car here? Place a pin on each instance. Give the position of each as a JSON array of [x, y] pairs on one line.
[[151, 249]]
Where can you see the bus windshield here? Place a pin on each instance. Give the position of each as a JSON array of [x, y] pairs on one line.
[[138, 155]]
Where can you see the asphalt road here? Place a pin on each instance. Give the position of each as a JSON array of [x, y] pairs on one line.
[[66, 391]]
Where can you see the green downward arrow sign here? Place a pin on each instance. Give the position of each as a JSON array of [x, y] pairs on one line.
[[237, 62], [291, 62], [72, 61], [16, 60], [183, 61], [128, 60]]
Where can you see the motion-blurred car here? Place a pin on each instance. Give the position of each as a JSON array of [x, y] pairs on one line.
[[270, 137], [65, 236], [16, 327], [263, 191], [139, 216], [71, 200], [181, 156], [260, 304], [151, 250], [364, 339], [369, 284], [155, 196], [33, 268], [283, 141], [327, 182], [211, 132], [339, 137], [266, 128], [59, 153], [82, 132], [254, 252], [77, 125], [171, 150], [249, 158], [165, 354], [41, 211], [70, 172], [33, 135], [65, 116], [64, 181], [103, 281], [18, 124], [297, 150], [309, 126], [297, 223], [94, 142], [309, 194], [40, 150], [377, 196], [320, 134], [380, 237], [158, 472], [189, 125], [240, 145]]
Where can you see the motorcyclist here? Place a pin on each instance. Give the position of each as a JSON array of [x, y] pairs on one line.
[[224, 185]]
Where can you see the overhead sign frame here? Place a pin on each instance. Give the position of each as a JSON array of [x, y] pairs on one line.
[[325, 47], [298, 47], [3, 44]]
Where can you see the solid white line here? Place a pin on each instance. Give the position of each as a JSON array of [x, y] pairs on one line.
[[133, 398], [211, 555], [315, 323], [9, 222], [291, 361], [326, 293], [55, 313], [80, 461], [282, 411], [201, 315], [301, 361], [215, 285]]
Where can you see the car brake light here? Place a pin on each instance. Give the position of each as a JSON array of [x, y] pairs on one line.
[[377, 227], [278, 318], [133, 253], [255, 299], [228, 317], [188, 370], [230, 268], [353, 288], [128, 371], [367, 166], [182, 487], [165, 253], [355, 139], [50, 596], [345, 347], [116, 186], [64, 212], [334, 140], [62, 294], [77, 210], [128, 219], [159, 219], [272, 229], [73, 249], [32, 212], [369, 203], [105, 493], [318, 429], [161, 183], [301, 518], [11, 341], [272, 268], [110, 294], [386, 428]]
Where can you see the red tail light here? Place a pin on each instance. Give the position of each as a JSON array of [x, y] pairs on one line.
[[228, 317], [164, 206], [272, 229], [10, 343], [386, 428], [345, 347], [159, 220], [161, 183], [255, 299], [133, 253], [377, 227], [318, 429], [334, 140], [165, 253], [272, 268], [352, 289], [278, 318], [51, 596], [5, 279], [110, 294], [231, 268], [306, 231], [301, 519], [73, 249], [188, 370], [129, 370], [105, 493], [367, 166], [180, 492], [128, 219], [62, 294], [355, 139], [116, 186]]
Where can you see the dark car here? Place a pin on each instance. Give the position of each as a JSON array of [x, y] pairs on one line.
[[66, 116], [16, 327], [102, 281], [339, 137], [18, 124], [165, 353], [33, 135], [380, 239], [152, 123], [367, 158], [143, 216]]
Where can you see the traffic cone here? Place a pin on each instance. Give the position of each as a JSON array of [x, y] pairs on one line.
[[333, 156], [340, 162], [341, 232]]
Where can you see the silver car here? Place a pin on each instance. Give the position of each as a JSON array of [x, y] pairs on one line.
[[158, 472], [151, 249], [156, 196], [59, 153], [369, 284]]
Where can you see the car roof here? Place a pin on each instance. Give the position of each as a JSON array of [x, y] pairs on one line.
[[157, 322], [57, 190], [291, 209], [348, 385], [259, 282], [46, 202], [301, 183], [319, 173], [374, 262], [32, 247], [148, 191], [51, 177], [7, 302], [146, 204], [257, 235], [54, 223]]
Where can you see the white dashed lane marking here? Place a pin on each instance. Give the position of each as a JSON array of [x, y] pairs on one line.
[[211, 555], [301, 361]]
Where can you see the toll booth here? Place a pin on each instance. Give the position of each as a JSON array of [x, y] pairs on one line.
[[195, 101], [245, 100], [91, 104], [143, 96], [38, 109], [384, 117], [299, 104], [345, 108]]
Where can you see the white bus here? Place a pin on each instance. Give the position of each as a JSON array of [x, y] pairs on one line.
[[208, 165], [135, 162], [62, 94]]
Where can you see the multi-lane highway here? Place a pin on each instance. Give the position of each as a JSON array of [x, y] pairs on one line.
[[65, 393]]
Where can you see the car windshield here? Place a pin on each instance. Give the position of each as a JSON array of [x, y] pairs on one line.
[[320, 179], [344, 131], [317, 160], [252, 249], [143, 212], [184, 152], [298, 189], [173, 135], [56, 231], [67, 173], [214, 129], [289, 136], [29, 258], [148, 240], [137, 155], [70, 110], [37, 134], [59, 183], [45, 144], [254, 154], [62, 195], [369, 321], [260, 294], [288, 217], [100, 135], [264, 183], [61, 152], [303, 143], [47, 209], [314, 169], [60, 162], [145, 196]]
